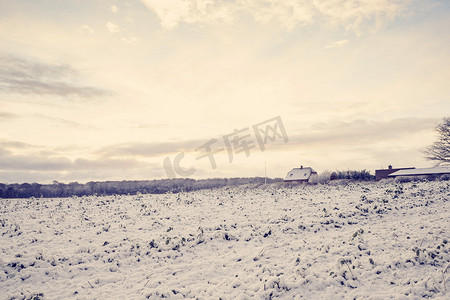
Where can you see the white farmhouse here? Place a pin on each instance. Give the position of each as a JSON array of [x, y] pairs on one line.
[[302, 174]]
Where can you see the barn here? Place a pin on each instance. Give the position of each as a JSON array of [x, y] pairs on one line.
[[302, 174], [436, 171], [384, 173]]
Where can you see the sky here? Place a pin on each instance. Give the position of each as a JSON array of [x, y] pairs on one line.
[[151, 89]]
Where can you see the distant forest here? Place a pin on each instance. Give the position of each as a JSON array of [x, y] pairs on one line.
[[161, 186], [157, 186]]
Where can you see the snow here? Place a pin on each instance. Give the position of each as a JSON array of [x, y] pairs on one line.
[[377, 240]]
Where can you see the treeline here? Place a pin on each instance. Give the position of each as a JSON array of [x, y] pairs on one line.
[[160, 186], [352, 174]]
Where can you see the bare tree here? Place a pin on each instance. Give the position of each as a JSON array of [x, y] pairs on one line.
[[439, 151]]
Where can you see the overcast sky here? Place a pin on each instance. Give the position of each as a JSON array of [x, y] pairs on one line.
[[145, 89]]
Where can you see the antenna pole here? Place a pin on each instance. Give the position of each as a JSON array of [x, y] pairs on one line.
[[265, 173]]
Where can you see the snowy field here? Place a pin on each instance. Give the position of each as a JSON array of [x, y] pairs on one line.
[[344, 241]]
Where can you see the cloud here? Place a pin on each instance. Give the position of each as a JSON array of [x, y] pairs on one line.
[[361, 132], [10, 161], [22, 76], [125, 36], [87, 29], [112, 27], [129, 40], [63, 122], [21, 161], [336, 44], [24, 162], [144, 173], [171, 13], [105, 164], [7, 144], [114, 9], [353, 15], [151, 126], [346, 134], [5, 116], [149, 149], [52, 162]]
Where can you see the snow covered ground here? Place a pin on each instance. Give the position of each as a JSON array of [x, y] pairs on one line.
[[350, 240]]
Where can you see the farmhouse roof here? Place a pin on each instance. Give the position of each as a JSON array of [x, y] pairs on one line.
[[299, 174], [421, 171]]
